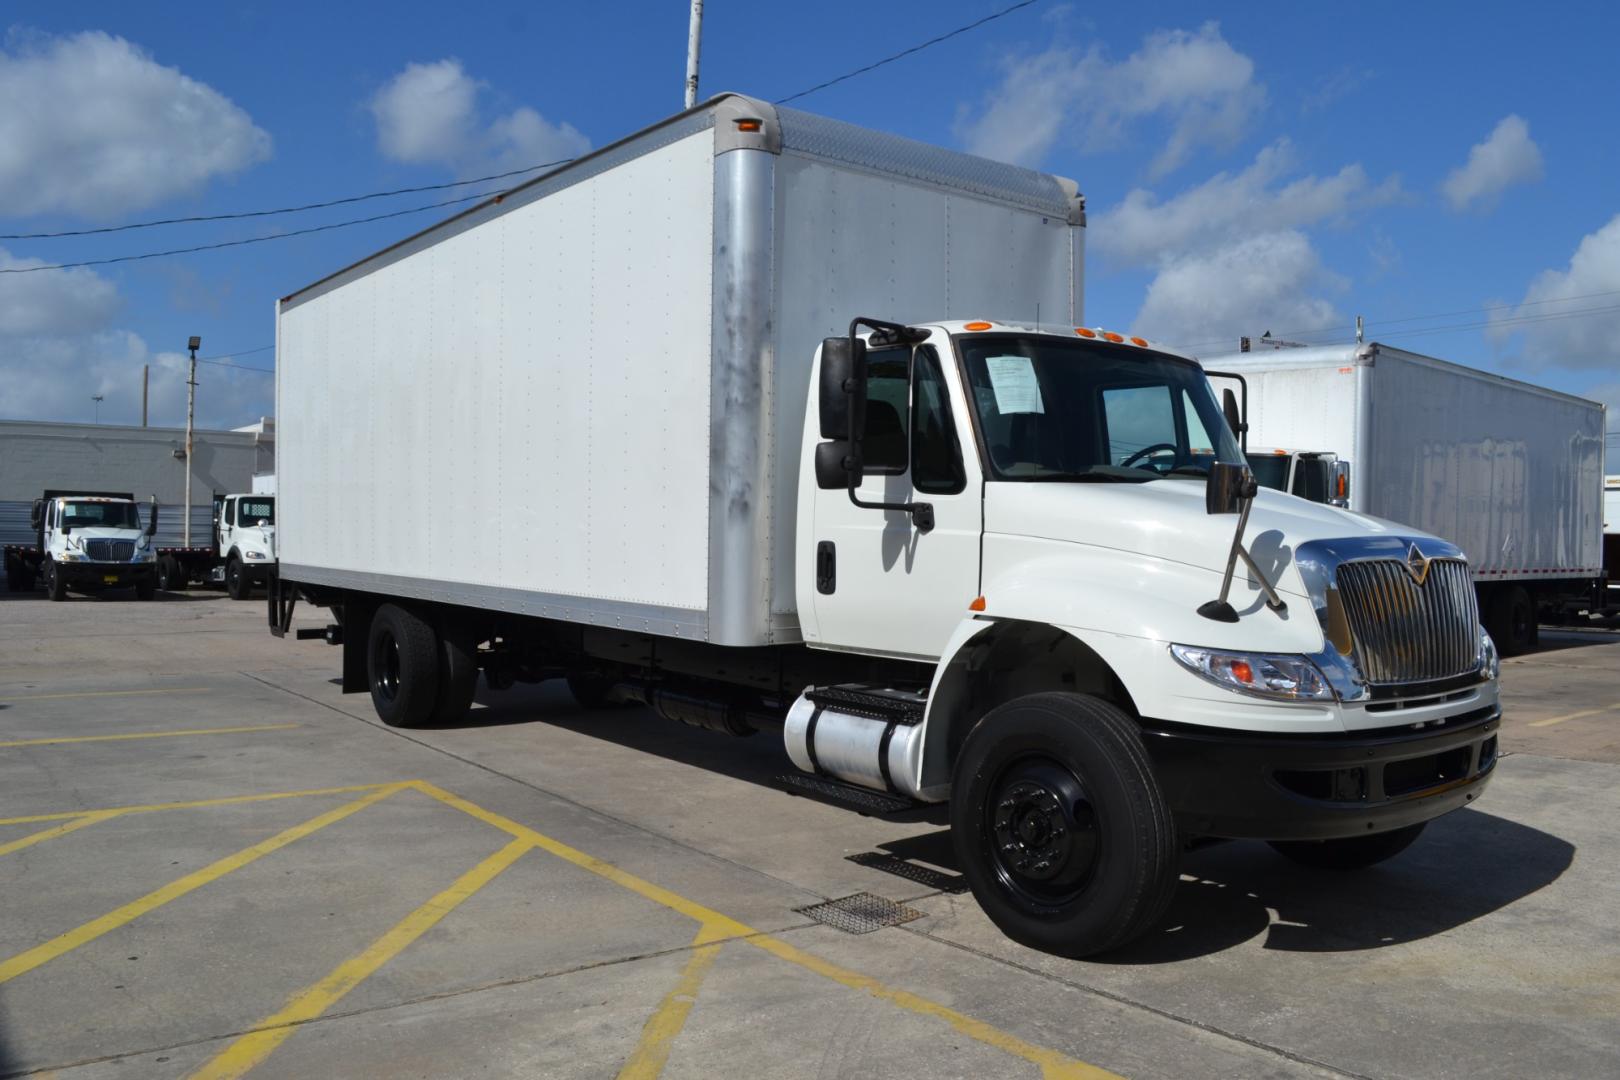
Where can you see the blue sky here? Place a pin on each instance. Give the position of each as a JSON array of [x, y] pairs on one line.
[[1262, 166]]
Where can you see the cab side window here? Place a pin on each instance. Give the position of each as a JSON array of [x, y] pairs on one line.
[[888, 394], [936, 457], [230, 511]]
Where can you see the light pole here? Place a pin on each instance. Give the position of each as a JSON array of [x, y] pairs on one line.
[[191, 411], [694, 44], [98, 399]]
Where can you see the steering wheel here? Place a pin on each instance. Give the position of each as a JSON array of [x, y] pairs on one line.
[[1146, 450]]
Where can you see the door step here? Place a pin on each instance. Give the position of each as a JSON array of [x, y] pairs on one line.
[[863, 800], [873, 701]]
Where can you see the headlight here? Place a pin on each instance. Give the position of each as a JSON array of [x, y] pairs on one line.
[[1286, 678], [257, 555], [71, 556], [1490, 662]]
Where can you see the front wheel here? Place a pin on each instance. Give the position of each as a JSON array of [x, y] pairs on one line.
[[1060, 825], [236, 580], [55, 584], [1351, 852], [402, 660]]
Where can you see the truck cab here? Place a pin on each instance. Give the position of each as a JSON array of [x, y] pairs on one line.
[[1317, 475], [91, 542], [245, 539]]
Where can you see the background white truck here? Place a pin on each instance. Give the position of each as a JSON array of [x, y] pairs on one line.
[[741, 418], [86, 541], [1509, 472], [241, 553]]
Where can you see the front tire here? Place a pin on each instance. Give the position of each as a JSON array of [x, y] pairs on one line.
[[55, 584], [236, 580], [1351, 852], [1062, 830], [402, 666]]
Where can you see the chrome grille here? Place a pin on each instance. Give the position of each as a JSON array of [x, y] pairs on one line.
[[1410, 633], [110, 550]]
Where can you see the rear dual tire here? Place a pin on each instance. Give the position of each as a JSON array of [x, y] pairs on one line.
[[419, 677], [1061, 828]]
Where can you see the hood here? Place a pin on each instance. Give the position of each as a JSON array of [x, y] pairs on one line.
[[102, 532], [1165, 519]]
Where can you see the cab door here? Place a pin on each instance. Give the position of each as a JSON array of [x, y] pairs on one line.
[[883, 585]]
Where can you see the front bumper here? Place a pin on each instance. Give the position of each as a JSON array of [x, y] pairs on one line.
[[112, 575], [1240, 785]]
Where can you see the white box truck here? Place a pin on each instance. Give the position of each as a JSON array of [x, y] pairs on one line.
[[1509, 472], [745, 418]]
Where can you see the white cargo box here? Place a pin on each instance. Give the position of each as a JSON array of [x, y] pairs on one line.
[[584, 399], [1510, 472]]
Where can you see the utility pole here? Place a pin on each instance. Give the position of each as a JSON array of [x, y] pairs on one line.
[[146, 376], [694, 45], [191, 412]]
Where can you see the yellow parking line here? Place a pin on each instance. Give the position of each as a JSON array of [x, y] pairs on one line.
[[146, 735], [113, 693], [41, 954], [57, 830], [229, 800], [1551, 720], [1053, 1065], [651, 1054], [252, 1048]]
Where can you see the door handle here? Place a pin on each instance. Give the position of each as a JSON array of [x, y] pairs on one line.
[[826, 567]]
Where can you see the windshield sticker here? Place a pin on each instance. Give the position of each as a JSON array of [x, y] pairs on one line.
[[1016, 388]]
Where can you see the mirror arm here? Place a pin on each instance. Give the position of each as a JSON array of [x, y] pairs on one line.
[[1219, 609]]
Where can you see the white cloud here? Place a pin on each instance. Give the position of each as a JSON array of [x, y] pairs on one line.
[[94, 126], [1196, 83], [1143, 231], [1254, 284], [1508, 156], [1576, 311], [429, 114], [58, 347]]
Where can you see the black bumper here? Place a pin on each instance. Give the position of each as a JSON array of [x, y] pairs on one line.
[[1311, 787], [112, 575]]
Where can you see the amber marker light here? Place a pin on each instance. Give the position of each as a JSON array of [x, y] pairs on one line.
[[1083, 332], [1139, 341], [1111, 336], [977, 605], [748, 125], [976, 326]]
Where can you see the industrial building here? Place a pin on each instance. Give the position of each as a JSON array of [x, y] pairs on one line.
[[144, 461]]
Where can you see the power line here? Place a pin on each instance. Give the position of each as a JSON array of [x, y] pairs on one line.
[[247, 240], [907, 52], [229, 355], [236, 215], [238, 367]]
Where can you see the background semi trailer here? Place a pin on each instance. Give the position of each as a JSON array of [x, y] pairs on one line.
[[743, 418], [1509, 472]]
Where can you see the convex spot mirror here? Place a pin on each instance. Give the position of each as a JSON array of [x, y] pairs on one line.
[[837, 462], [1229, 487], [843, 388]]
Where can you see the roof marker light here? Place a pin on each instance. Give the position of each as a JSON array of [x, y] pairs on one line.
[[1139, 341], [748, 125], [1083, 332], [1111, 336], [976, 326]]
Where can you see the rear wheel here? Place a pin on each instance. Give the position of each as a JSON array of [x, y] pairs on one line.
[[1350, 853], [402, 662], [236, 580], [55, 584], [1060, 825], [170, 578], [1511, 620]]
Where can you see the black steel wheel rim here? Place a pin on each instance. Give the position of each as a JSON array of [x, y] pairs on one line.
[[385, 665], [1042, 830]]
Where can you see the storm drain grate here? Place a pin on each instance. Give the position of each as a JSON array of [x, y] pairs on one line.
[[861, 913]]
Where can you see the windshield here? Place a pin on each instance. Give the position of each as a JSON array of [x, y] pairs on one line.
[[254, 511], [1270, 470], [99, 515], [1312, 478], [1050, 409]]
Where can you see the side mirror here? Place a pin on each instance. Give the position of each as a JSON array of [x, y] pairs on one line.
[[151, 519], [1234, 416], [65, 529], [1229, 487], [36, 514], [836, 462], [1339, 484], [843, 388]]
